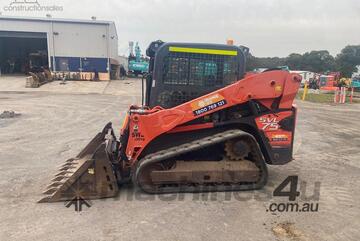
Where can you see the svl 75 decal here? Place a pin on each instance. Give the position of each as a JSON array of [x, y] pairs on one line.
[[269, 123]]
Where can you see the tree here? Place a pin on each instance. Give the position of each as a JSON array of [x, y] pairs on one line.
[[267, 62], [318, 61], [251, 62], [348, 59], [294, 61]]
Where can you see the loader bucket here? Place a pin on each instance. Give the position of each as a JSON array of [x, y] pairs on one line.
[[89, 175]]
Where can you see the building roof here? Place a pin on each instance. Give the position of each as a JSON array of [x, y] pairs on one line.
[[61, 20]]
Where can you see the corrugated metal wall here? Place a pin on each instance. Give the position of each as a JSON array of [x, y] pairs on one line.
[[81, 46]]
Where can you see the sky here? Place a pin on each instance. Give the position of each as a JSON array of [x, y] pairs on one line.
[[268, 27]]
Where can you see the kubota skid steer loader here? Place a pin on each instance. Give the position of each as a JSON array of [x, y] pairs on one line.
[[206, 125]]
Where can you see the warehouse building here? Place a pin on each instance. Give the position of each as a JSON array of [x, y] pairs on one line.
[[61, 45]]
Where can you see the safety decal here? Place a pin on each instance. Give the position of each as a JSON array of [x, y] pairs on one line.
[[279, 137], [207, 104], [278, 88]]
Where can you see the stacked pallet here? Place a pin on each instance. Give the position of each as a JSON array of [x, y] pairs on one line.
[[35, 80], [86, 76], [31, 82]]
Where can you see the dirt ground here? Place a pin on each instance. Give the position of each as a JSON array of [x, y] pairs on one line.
[[55, 125]]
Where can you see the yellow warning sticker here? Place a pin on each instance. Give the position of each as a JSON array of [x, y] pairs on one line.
[[278, 88]]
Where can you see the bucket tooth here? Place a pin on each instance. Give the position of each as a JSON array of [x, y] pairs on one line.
[[71, 160], [68, 164], [54, 184], [45, 199], [59, 178], [66, 168], [50, 191], [63, 173]]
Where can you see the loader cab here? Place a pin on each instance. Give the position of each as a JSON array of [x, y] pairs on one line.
[[179, 72]]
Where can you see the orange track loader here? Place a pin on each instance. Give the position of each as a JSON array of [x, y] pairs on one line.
[[204, 126]]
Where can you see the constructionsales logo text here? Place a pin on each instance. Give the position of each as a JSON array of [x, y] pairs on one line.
[[30, 6], [208, 104]]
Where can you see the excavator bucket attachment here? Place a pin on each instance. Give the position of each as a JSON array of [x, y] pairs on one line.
[[88, 176]]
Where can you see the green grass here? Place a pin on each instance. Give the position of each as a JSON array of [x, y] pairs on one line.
[[322, 97]]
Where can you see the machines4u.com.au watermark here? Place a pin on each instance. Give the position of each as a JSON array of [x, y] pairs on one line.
[[291, 195], [30, 6]]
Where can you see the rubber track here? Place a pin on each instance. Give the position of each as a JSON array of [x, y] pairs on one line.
[[172, 152]]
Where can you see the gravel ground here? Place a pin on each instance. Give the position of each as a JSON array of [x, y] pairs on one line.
[[54, 126]]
